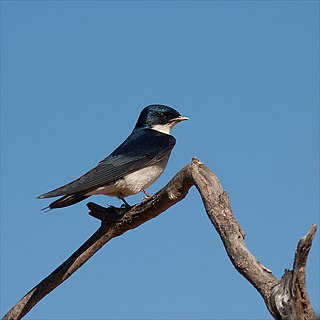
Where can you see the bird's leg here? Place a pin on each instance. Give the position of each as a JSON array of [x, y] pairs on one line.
[[126, 204], [148, 195]]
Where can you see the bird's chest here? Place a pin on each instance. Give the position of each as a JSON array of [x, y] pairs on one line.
[[141, 179], [133, 182]]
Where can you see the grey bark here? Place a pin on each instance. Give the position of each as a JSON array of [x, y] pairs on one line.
[[286, 298]]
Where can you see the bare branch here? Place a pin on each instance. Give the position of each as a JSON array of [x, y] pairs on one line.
[[290, 300], [286, 298], [111, 227], [216, 202]]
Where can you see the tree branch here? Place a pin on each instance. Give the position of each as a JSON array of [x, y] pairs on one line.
[[290, 300], [286, 298], [114, 222]]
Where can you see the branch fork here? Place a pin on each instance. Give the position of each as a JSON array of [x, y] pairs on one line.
[[286, 299]]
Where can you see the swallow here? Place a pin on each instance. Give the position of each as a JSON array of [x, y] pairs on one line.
[[132, 167]]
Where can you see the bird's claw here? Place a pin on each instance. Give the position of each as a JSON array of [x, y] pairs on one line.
[[125, 204], [147, 195]]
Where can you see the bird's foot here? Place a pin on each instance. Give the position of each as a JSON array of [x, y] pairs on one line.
[[147, 195], [125, 204]]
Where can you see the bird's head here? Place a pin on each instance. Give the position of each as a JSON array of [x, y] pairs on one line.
[[159, 117]]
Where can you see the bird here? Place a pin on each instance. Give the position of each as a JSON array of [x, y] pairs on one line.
[[132, 167]]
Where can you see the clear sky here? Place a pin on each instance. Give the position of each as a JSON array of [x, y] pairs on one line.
[[74, 77]]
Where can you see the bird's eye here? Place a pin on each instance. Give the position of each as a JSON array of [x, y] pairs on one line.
[[164, 115]]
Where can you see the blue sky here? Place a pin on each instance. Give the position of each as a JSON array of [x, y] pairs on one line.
[[74, 77]]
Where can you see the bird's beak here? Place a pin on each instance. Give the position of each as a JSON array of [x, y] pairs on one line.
[[180, 118]]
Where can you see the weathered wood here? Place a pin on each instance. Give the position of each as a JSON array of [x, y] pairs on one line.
[[114, 222], [290, 300], [285, 299], [217, 205]]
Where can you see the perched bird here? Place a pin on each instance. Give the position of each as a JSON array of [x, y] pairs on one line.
[[132, 167]]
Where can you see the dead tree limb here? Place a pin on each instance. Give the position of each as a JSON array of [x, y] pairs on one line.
[[286, 299]]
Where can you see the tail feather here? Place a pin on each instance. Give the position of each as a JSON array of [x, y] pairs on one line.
[[67, 200]]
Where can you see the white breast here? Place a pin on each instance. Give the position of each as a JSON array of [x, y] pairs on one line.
[[133, 182]]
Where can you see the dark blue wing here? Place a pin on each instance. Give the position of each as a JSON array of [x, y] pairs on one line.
[[144, 147]]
